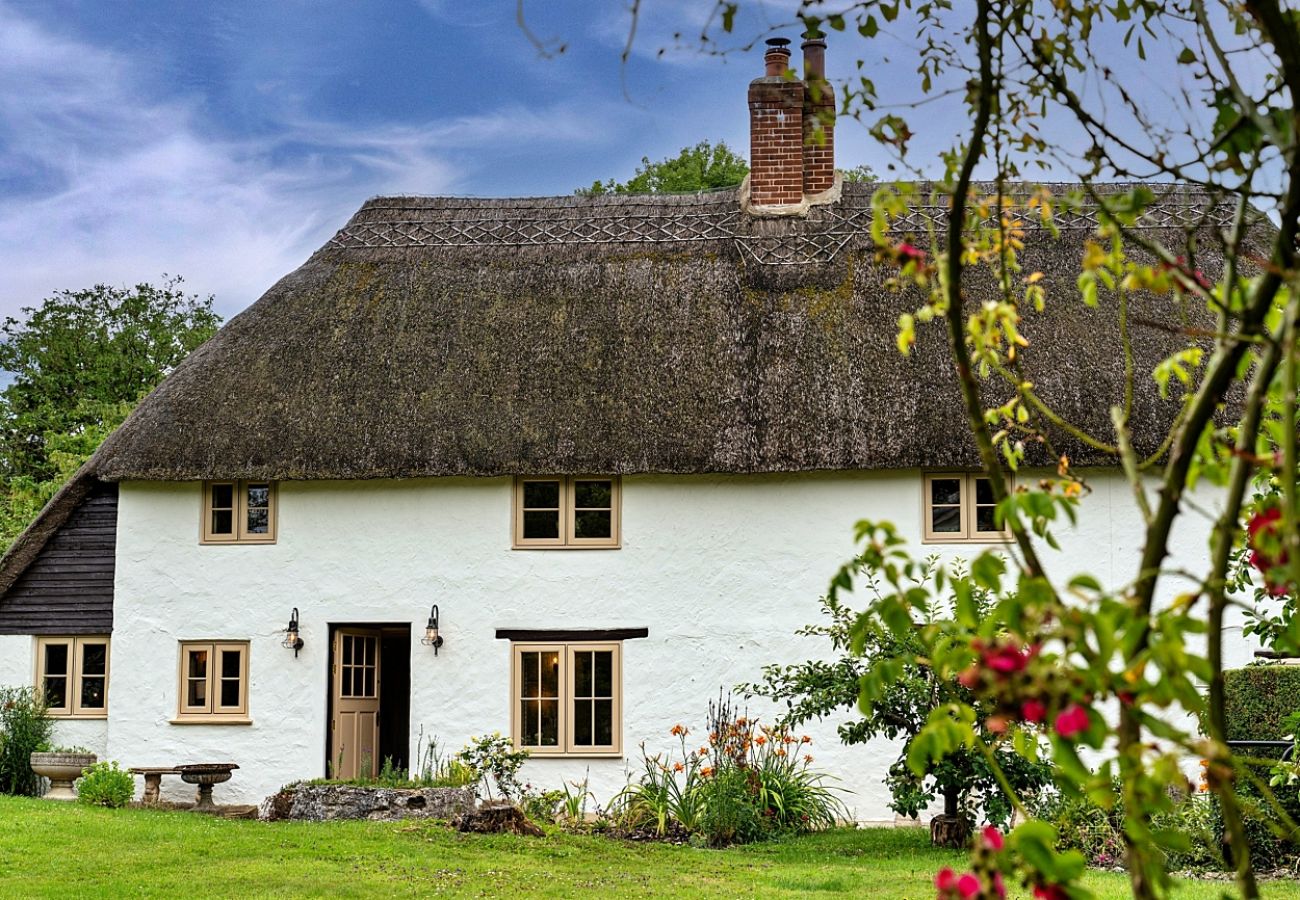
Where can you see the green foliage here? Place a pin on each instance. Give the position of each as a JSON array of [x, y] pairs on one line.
[[909, 695], [104, 784], [493, 760], [25, 728], [749, 782], [704, 167], [81, 361], [1257, 701]]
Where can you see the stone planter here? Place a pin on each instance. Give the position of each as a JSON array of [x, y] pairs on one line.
[[62, 769], [326, 802]]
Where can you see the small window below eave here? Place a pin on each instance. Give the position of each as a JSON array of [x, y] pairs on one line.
[[566, 512], [239, 512], [959, 508]]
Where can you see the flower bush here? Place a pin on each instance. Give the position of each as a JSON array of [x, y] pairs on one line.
[[104, 784], [24, 729], [746, 782], [494, 760]]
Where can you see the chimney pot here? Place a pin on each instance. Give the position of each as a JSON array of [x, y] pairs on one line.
[[777, 57]]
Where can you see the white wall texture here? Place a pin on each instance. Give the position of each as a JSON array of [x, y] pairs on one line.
[[722, 570]]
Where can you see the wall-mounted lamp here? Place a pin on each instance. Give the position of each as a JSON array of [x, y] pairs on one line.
[[431, 637], [292, 640]]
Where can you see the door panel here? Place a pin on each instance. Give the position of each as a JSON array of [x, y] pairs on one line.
[[354, 736]]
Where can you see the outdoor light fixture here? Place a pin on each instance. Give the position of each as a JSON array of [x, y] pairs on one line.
[[431, 637], [292, 641]]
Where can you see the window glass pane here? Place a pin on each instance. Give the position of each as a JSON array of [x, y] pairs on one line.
[[94, 659], [230, 663], [223, 521], [347, 650], [604, 724], [582, 675], [92, 692], [604, 674], [56, 659], [230, 692], [582, 723], [549, 730], [529, 667], [542, 524], [198, 664], [528, 716], [370, 681], [945, 519], [985, 517], [541, 494], [223, 496], [592, 524], [197, 692], [259, 521], [983, 491], [945, 490], [259, 495], [56, 692], [592, 494], [550, 674]]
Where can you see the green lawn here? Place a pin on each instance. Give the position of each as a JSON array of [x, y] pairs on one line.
[[51, 849]]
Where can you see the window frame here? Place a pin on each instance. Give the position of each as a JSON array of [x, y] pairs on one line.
[[565, 539], [241, 534], [567, 649], [73, 708], [969, 533], [212, 712]]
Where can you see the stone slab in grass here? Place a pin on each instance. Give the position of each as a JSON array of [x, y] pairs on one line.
[[328, 802]]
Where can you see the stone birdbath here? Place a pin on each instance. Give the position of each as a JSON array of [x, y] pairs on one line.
[[205, 775], [62, 768]]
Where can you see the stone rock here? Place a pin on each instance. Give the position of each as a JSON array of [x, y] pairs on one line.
[[496, 819], [326, 802]]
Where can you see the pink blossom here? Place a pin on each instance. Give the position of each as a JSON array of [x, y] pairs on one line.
[[946, 880], [993, 839], [999, 887], [1072, 722], [1033, 711], [968, 886], [1006, 660], [1050, 892]]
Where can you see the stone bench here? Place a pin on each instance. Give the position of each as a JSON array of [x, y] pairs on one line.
[[153, 781]]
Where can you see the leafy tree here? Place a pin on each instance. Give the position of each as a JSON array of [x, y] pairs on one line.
[[80, 363], [825, 687], [703, 167]]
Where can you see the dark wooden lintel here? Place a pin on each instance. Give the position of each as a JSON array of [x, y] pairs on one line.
[[572, 634]]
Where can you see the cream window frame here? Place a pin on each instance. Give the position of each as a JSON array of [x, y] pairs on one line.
[[567, 651], [565, 540], [72, 708], [969, 532], [239, 513], [211, 712]]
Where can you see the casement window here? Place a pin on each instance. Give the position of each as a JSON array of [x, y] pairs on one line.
[[959, 507], [569, 511], [239, 512], [213, 682], [73, 674], [567, 699]]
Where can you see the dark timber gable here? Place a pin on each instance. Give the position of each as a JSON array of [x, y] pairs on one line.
[[68, 587]]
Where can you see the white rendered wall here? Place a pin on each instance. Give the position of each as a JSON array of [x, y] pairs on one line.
[[18, 667], [722, 570]]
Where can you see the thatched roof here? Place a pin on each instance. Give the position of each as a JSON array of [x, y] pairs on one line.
[[436, 336]]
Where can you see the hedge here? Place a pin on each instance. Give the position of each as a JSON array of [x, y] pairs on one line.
[[1257, 699]]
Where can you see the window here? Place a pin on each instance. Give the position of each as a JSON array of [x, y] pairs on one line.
[[959, 506], [239, 512], [213, 683], [73, 673], [570, 511], [567, 699]]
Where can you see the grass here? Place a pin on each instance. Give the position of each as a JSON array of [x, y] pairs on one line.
[[50, 849]]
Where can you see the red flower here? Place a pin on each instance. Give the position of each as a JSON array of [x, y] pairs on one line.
[[946, 880], [1263, 529], [907, 253], [1126, 697], [968, 886], [1007, 659], [1050, 892], [969, 678], [1072, 722], [1266, 518], [1033, 711], [998, 887], [992, 839]]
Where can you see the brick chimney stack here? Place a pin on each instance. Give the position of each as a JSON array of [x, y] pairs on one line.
[[776, 108], [818, 117]]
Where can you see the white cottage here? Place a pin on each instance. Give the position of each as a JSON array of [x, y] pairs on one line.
[[613, 446]]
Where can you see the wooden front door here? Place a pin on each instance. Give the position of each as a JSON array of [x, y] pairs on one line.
[[354, 730]]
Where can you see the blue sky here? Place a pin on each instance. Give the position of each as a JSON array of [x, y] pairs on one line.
[[225, 141]]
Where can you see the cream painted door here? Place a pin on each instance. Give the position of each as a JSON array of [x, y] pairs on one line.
[[354, 738]]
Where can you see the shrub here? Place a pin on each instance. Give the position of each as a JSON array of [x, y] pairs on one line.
[[1258, 701], [104, 784], [24, 729], [493, 760]]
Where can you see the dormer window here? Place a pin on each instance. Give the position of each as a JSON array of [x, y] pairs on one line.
[[566, 512], [239, 512]]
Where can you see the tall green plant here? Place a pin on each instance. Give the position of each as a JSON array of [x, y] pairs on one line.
[[25, 728]]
